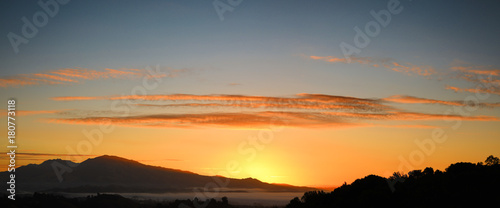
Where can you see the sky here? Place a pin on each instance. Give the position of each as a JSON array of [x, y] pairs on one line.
[[311, 93]]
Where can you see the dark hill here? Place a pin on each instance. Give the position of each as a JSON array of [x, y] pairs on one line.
[[114, 174], [461, 185]]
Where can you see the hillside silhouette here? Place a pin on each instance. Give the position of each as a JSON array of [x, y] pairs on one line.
[[119, 175], [460, 185]]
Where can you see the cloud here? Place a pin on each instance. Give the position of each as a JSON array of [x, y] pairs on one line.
[[333, 59], [300, 101], [305, 110], [29, 112], [484, 78], [79, 75], [412, 69], [495, 91], [247, 120], [410, 116], [302, 110], [480, 70], [416, 100], [406, 68], [54, 77], [73, 98], [411, 100], [266, 119], [255, 105]]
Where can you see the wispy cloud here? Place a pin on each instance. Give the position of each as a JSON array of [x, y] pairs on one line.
[[298, 99], [246, 120], [267, 118], [388, 63], [411, 99], [409, 68], [485, 78], [475, 90], [416, 100], [482, 70], [30, 112], [333, 59], [411, 116], [79, 75], [302, 110]]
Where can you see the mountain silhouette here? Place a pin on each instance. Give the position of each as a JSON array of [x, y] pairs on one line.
[[115, 174]]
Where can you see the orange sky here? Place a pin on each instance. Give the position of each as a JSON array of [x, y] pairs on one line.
[[287, 92]]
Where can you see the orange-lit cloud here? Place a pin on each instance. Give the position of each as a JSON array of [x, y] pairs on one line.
[[410, 116], [300, 101], [302, 97], [412, 69], [78, 75], [303, 110], [481, 70], [73, 98], [406, 68], [28, 112], [416, 100], [475, 90], [54, 77], [246, 120], [266, 119], [411, 99], [333, 59], [484, 78], [254, 105]]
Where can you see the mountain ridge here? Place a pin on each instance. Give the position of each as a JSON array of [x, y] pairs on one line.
[[108, 173]]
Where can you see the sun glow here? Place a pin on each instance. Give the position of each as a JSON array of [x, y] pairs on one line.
[[264, 172]]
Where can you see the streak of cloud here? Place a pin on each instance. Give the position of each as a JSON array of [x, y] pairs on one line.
[[411, 99], [406, 68], [79, 75], [30, 112], [475, 90], [302, 110], [485, 78]]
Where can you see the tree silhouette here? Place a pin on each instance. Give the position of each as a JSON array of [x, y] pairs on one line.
[[491, 160], [462, 184], [294, 203], [225, 201]]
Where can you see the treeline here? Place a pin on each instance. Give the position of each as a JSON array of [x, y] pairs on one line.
[[105, 201], [460, 185]]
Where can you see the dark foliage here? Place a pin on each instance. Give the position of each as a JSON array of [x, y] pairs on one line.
[[461, 185], [40, 200]]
